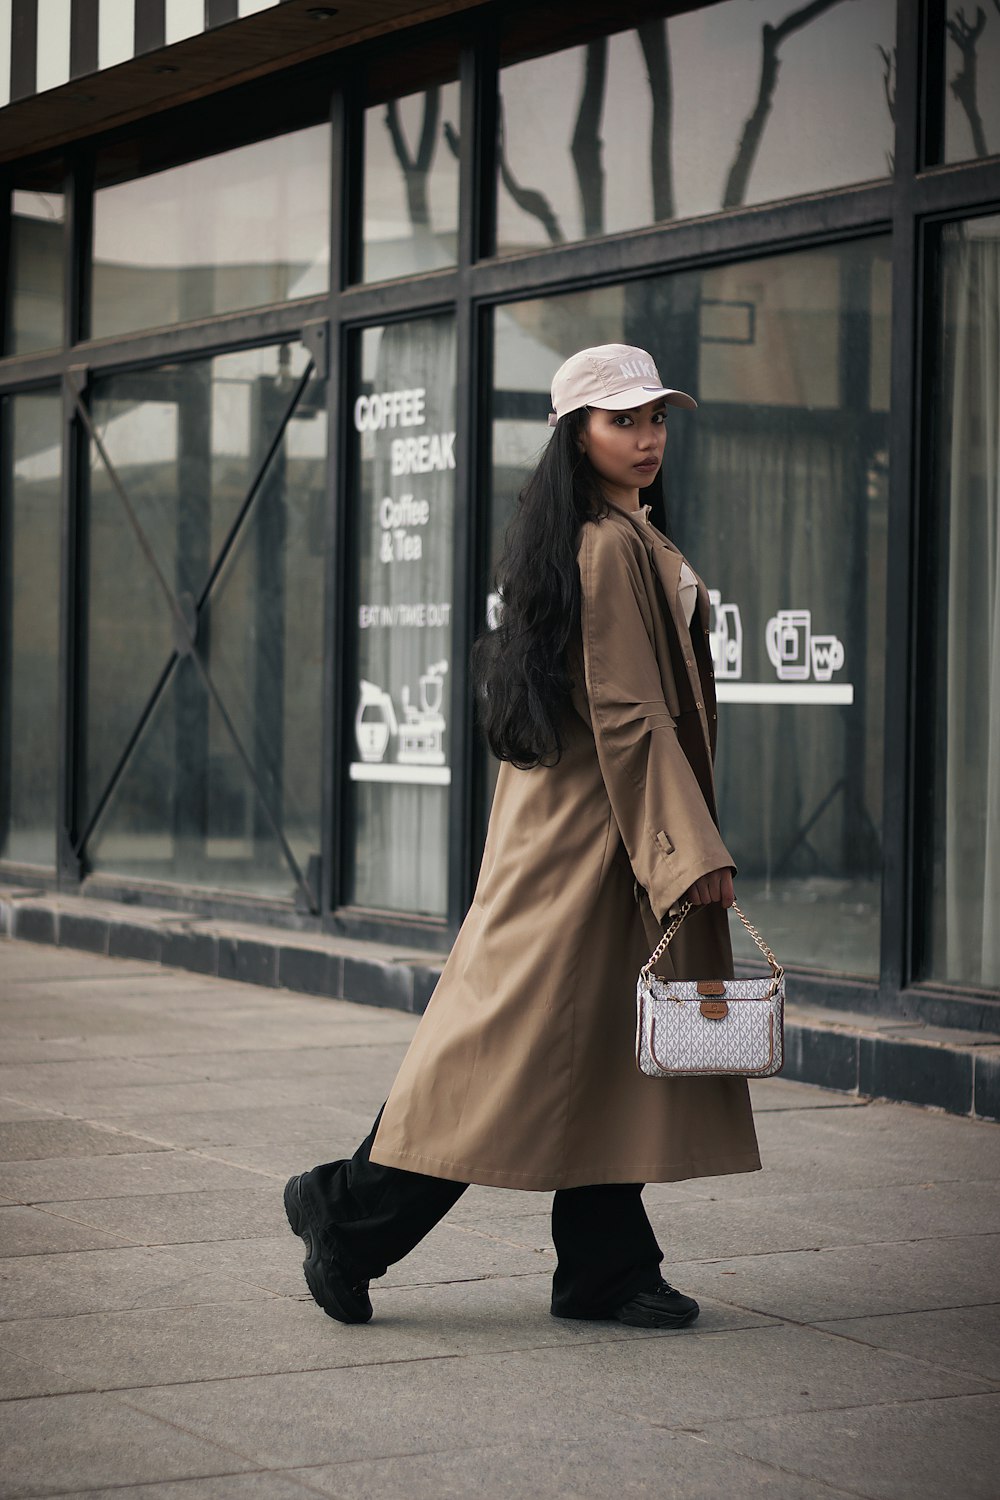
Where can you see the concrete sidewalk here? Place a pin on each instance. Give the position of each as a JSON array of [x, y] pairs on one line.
[[158, 1339]]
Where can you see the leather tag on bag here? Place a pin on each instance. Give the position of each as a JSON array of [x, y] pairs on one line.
[[714, 1010], [711, 986]]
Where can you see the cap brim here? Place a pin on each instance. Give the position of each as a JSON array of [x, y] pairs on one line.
[[641, 395]]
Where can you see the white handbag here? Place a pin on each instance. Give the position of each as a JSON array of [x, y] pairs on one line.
[[692, 1027]]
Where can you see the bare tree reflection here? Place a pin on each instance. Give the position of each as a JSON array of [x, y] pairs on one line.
[[656, 50], [889, 85], [965, 84], [753, 131], [587, 147], [416, 168]]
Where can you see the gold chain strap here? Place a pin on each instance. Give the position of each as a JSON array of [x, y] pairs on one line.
[[671, 932]]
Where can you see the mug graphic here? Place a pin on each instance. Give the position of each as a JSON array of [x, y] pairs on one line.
[[827, 653], [787, 639]]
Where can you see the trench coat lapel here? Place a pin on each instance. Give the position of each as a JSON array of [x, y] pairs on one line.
[[666, 560]]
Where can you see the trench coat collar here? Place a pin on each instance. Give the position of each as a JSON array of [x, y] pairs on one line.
[[667, 559]]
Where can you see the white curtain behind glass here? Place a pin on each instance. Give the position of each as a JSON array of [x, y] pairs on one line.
[[972, 774]]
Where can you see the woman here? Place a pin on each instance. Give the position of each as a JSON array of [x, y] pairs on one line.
[[597, 696]]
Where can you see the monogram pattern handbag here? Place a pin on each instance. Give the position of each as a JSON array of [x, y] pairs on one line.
[[691, 1027]]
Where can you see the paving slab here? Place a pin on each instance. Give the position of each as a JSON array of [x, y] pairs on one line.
[[661, 1464], [248, 1212], [956, 1338], [263, 1485], [158, 1346], [55, 1136], [92, 1281], [853, 1281], [59, 1442], [36, 1231], [925, 1450], [137, 1174]]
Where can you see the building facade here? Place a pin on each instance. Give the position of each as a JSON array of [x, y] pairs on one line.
[[285, 288]]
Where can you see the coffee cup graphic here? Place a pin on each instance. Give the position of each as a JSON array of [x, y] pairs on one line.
[[787, 639], [827, 653]]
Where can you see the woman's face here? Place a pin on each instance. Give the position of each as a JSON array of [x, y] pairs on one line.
[[626, 448]]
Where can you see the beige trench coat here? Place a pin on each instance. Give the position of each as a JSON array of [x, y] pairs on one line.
[[522, 1070]]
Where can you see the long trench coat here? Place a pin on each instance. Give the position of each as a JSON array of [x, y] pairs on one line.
[[522, 1070]]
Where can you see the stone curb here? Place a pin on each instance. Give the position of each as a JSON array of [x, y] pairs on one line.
[[853, 1053]]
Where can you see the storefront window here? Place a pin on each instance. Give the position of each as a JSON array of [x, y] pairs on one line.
[[736, 103], [242, 229], [964, 722], [776, 491], [399, 774], [411, 183], [30, 508], [188, 442], [37, 269], [971, 52]]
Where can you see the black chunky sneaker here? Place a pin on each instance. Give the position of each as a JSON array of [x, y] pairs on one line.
[[324, 1278], [663, 1308]]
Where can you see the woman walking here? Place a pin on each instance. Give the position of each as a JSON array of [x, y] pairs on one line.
[[597, 694]]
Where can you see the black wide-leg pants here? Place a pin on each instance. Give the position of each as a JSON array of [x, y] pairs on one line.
[[372, 1216]]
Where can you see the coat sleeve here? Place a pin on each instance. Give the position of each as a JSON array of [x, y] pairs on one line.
[[666, 826]]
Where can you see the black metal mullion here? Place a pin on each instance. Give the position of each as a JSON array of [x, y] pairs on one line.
[[73, 542], [6, 283], [904, 478], [344, 158], [477, 134]]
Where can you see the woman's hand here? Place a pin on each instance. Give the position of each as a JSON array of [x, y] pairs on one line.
[[716, 886]]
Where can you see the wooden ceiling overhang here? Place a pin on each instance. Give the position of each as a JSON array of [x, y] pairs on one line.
[[292, 33]]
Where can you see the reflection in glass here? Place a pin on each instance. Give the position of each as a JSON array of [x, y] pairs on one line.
[[404, 420], [781, 470], [411, 184], [971, 69], [727, 105], [242, 229], [37, 248], [187, 442], [29, 627], [964, 910]]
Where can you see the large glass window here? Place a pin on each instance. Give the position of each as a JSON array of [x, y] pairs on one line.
[[963, 639], [37, 270], [227, 490], [776, 490], [971, 52], [732, 104], [404, 507], [29, 626], [242, 229], [411, 183]]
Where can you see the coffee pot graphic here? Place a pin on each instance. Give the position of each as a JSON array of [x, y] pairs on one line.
[[725, 637], [421, 735], [374, 721]]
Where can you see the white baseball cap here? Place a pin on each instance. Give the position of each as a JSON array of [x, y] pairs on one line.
[[612, 377]]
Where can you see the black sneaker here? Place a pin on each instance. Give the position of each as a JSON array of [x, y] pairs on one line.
[[664, 1308], [324, 1278]]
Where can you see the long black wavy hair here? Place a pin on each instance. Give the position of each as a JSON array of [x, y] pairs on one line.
[[520, 669]]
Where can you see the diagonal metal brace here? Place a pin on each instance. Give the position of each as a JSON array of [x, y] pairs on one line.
[[185, 630]]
